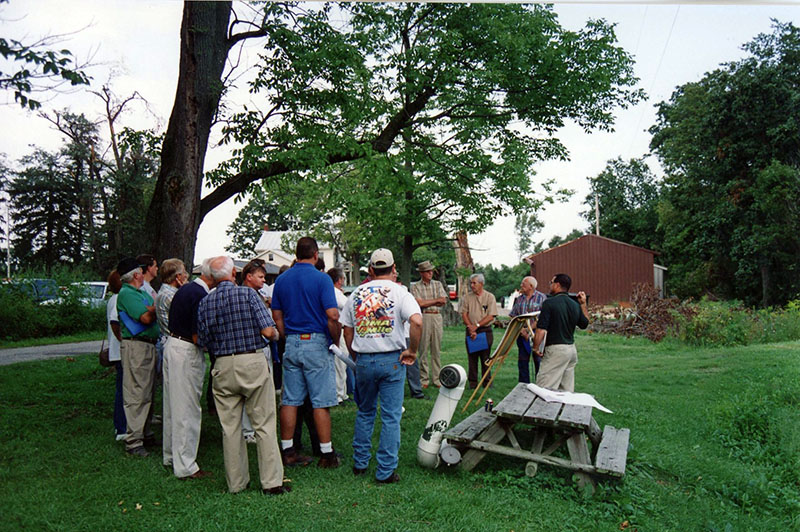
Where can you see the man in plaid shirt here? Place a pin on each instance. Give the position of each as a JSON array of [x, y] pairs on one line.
[[530, 300], [232, 323]]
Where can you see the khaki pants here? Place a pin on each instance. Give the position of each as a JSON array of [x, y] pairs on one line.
[[341, 373], [184, 369], [431, 340], [244, 381], [557, 368], [138, 378]]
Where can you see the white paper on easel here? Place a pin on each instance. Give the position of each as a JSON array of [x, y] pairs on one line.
[[571, 398]]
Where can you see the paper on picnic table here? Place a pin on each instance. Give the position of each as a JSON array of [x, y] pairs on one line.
[[571, 398]]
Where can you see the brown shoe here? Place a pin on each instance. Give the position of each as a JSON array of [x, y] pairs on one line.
[[277, 490], [391, 479], [292, 458], [329, 460], [198, 475]]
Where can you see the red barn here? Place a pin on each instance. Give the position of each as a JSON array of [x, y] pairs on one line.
[[605, 269]]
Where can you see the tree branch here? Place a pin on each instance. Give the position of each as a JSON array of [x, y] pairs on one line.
[[380, 144]]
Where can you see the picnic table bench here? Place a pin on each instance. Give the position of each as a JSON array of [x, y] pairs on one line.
[[554, 424]]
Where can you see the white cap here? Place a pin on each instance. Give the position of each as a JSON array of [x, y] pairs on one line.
[[381, 258]]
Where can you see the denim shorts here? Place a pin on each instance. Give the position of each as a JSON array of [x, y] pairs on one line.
[[308, 370]]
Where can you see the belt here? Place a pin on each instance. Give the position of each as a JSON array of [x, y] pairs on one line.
[[182, 338], [236, 354], [430, 312], [152, 341]]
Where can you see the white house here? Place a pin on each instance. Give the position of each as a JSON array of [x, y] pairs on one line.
[[269, 249]]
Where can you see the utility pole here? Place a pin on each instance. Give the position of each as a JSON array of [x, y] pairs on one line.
[[596, 215]]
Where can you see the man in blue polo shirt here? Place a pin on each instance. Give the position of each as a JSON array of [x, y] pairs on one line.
[[306, 314]]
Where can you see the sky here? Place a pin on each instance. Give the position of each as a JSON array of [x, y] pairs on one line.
[[134, 47]]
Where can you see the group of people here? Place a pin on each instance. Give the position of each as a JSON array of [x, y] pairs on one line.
[[260, 339], [237, 325], [552, 347]]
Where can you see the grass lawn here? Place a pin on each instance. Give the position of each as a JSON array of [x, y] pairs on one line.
[[715, 445]]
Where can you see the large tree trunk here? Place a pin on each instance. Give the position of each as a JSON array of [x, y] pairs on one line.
[[464, 263], [174, 213]]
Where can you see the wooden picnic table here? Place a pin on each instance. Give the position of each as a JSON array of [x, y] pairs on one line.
[[553, 424]]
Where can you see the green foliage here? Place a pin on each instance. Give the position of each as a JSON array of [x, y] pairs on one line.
[[504, 280], [726, 324], [21, 318], [729, 145], [35, 66], [628, 194], [475, 94]]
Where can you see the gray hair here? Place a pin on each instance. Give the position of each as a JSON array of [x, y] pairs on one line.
[[205, 267], [532, 280], [477, 277], [128, 277], [221, 268]]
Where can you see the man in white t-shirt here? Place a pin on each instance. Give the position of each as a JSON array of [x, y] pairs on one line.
[[373, 329]]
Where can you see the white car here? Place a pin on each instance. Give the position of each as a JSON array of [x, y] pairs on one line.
[[90, 293]]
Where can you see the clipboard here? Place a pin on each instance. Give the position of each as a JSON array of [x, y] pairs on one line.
[[480, 343]]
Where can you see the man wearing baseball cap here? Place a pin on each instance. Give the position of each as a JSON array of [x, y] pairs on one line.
[[139, 328], [374, 331]]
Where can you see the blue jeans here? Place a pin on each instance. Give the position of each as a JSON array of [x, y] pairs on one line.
[[379, 375], [524, 362], [120, 424], [414, 382]]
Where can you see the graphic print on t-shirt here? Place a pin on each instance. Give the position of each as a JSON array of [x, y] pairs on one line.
[[374, 311]]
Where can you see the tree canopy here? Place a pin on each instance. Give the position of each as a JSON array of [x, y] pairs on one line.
[[628, 194], [730, 147], [438, 111]]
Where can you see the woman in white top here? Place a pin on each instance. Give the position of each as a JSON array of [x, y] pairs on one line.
[[114, 336]]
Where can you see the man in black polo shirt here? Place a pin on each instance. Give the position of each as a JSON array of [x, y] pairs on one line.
[[560, 315], [184, 369]]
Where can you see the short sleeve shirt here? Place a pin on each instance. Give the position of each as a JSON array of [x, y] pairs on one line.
[[303, 294], [163, 302], [478, 307], [134, 303], [560, 315], [376, 311], [230, 320], [433, 290], [183, 310]]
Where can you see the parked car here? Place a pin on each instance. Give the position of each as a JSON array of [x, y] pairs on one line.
[[39, 290], [89, 293]]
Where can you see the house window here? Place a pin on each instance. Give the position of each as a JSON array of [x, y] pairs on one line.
[[271, 257]]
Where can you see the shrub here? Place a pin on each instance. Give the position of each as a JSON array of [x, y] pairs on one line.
[[21, 318]]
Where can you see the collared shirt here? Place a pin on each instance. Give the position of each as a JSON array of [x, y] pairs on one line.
[[163, 302], [432, 290], [303, 294], [560, 315], [478, 307], [183, 310], [526, 305], [134, 302], [230, 320]]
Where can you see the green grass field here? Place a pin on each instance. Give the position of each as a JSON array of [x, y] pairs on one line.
[[715, 445]]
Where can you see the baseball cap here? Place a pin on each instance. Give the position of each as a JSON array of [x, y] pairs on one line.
[[381, 258], [127, 265]]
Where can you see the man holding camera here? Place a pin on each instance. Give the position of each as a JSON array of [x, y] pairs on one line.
[[558, 319]]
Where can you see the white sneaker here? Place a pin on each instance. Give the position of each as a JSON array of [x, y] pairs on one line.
[[250, 438], [120, 437]]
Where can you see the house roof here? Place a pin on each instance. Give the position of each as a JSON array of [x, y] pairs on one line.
[[530, 258], [271, 241]]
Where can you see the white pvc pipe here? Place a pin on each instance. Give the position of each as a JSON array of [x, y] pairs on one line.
[[453, 378]]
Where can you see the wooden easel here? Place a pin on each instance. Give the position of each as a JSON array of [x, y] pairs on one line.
[[515, 326]]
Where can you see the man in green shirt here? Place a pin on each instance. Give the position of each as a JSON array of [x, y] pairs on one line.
[[558, 319], [137, 318]]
